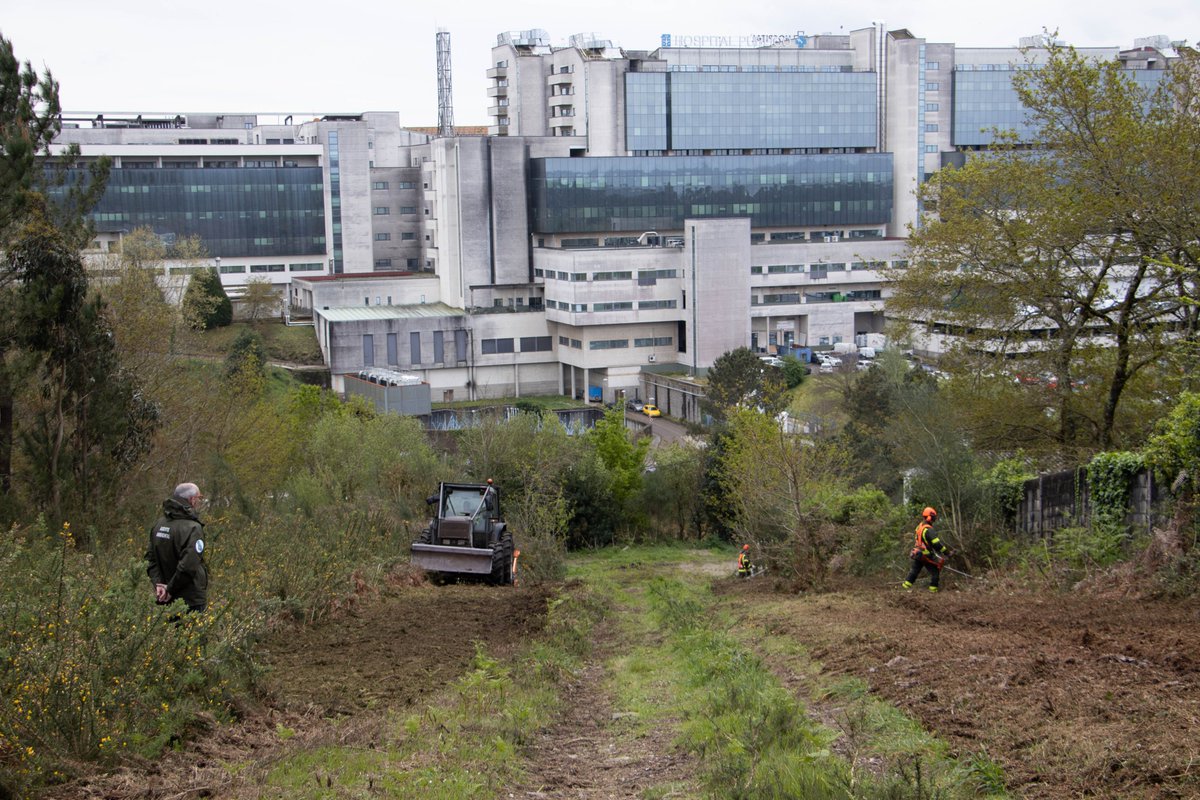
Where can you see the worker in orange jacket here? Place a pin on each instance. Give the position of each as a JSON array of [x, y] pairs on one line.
[[929, 552], [745, 568]]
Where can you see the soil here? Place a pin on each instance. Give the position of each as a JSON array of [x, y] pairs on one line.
[[1073, 694], [332, 681], [589, 754]]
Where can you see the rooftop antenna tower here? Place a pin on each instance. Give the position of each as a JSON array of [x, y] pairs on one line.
[[445, 92]]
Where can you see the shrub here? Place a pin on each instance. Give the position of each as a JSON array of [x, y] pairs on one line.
[[205, 303]]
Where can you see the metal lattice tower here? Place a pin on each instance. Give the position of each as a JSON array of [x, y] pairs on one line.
[[445, 91]]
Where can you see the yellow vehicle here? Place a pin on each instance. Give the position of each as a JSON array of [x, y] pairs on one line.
[[651, 410]]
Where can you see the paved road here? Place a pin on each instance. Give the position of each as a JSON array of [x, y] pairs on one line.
[[662, 429]]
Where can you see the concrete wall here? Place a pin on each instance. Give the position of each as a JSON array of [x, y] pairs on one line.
[[510, 211], [717, 282]]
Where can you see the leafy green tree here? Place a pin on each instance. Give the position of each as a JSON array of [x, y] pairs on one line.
[[1095, 233], [261, 300], [739, 379], [205, 303], [247, 356], [671, 492], [794, 372], [784, 494], [86, 412], [624, 456], [30, 118], [1174, 451]]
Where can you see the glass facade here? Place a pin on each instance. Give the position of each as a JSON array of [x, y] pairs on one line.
[[984, 98], [337, 262], [660, 192], [236, 212], [749, 110]]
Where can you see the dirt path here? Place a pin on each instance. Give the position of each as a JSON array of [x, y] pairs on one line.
[[1072, 694], [591, 753]]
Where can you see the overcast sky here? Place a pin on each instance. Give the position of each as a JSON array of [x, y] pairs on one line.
[[303, 57]]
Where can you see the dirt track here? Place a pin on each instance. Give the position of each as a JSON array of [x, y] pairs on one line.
[[1074, 695]]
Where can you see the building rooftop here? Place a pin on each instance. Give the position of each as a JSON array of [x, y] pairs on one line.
[[357, 313], [364, 276]]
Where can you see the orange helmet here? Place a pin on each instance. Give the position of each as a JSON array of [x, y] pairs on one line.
[[930, 513], [745, 547]]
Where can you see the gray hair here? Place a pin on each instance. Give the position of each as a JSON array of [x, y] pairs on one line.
[[186, 491]]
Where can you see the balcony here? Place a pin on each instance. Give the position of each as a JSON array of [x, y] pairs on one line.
[[497, 91], [498, 130], [497, 111], [498, 72]]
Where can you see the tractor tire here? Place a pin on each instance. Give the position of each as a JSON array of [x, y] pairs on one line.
[[502, 561], [426, 536]]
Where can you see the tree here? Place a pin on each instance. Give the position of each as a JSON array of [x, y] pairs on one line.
[[739, 379], [84, 412], [1174, 451], [671, 492], [1078, 258], [29, 121], [784, 492], [247, 359], [260, 300], [624, 456], [794, 372], [205, 303]]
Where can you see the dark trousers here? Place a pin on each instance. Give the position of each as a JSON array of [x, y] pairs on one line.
[[935, 572]]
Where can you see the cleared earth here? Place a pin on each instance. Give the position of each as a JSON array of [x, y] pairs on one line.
[[1074, 695]]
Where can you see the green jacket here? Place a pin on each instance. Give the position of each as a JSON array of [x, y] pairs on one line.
[[176, 554]]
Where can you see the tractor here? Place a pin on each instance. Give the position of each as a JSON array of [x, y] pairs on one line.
[[467, 534]]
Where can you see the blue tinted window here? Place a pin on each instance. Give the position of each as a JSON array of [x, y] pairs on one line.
[[741, 110], [986, 99], [268, 211], [659, 192]]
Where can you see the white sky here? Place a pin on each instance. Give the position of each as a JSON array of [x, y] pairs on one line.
[[303, 57]]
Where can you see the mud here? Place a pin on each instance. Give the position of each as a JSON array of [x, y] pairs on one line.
[[1073, 694]]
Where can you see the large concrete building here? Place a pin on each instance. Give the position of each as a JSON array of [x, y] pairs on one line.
[[626, 209]]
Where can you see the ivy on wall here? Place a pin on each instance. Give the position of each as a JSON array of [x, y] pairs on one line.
[[1110, 476]]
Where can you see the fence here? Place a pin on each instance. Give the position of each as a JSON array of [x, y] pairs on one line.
[[1062, 499]]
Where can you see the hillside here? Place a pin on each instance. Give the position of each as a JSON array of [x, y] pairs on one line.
[[620, 691]]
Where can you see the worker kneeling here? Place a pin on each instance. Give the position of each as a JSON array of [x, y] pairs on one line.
[[929, 552]]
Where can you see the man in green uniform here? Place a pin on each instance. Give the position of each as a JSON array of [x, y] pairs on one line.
[[175, 557]]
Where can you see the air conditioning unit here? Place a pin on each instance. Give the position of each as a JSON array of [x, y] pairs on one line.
[[650, 358]]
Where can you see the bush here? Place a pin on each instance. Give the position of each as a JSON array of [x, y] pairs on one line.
[[205, 303]]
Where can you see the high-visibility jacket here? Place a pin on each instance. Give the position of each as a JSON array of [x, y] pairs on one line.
[[927, 545], [744, 565]]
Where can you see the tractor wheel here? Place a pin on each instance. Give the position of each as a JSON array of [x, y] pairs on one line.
[[502, 561], [426, 536]]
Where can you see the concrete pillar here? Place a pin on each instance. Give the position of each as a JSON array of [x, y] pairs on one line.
[[586, 385]]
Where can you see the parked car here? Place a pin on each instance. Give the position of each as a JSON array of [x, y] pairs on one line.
[[651, 410], [825, 368], [863, 364], [634, 405], [825, 358], [771, 361]]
